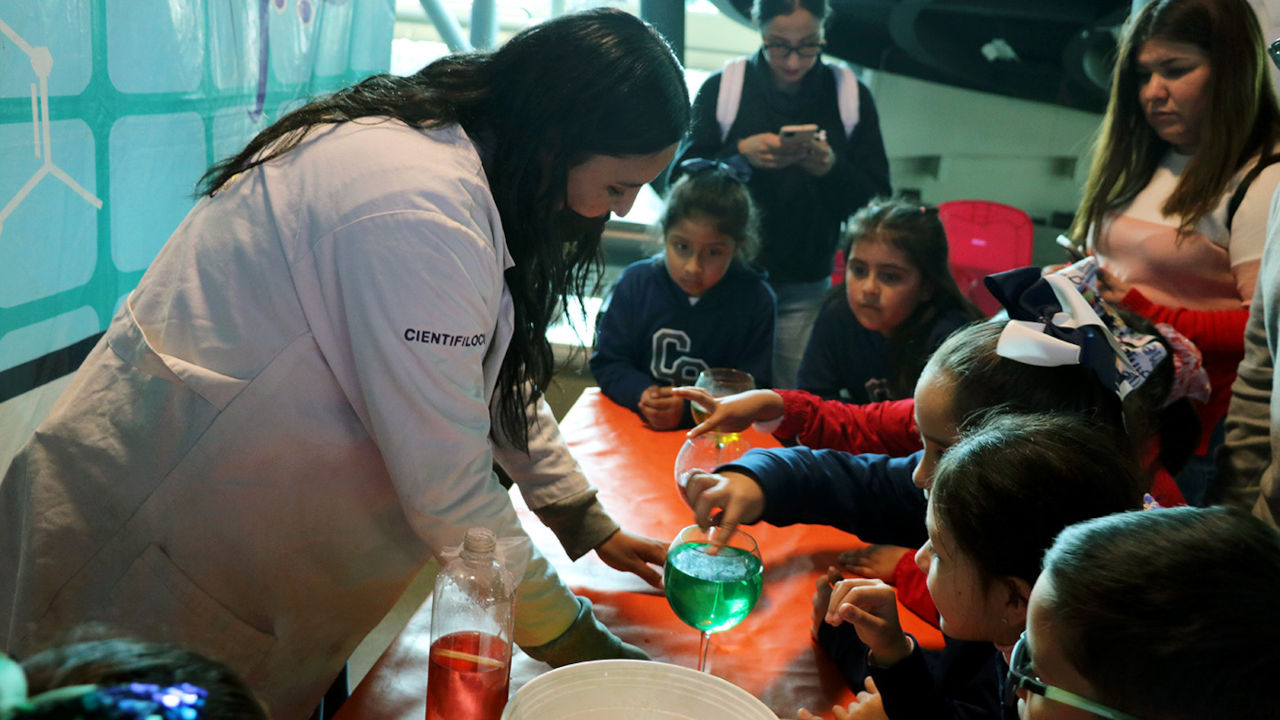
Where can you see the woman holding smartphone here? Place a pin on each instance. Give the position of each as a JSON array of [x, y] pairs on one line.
[[804, 190]]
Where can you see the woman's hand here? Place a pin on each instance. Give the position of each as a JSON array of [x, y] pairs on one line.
[[872, 607], [820, 159], [1112, 288], [738, 498], [635, 554], [732, 413], [765, 151], [867, 706], [660, 408]]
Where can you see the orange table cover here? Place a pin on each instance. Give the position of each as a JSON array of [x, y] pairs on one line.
[[769, 654]]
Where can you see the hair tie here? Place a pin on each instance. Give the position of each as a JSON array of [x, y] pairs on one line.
[[736, 167], [1189, 377], [1060, 319], [131, 701]]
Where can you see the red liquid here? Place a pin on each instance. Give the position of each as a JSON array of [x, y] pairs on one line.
[[468, 677]]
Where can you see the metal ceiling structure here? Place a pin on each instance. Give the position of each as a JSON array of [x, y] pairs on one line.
[[1054, 51]]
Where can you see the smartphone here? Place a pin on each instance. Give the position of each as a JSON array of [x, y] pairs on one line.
[[797, 137], [1274, 51]]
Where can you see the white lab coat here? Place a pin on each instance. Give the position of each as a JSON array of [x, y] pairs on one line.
[[286, 419]]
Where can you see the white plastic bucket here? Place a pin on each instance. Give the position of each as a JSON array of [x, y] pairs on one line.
[[632, 690]]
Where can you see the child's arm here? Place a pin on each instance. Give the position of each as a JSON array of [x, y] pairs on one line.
[[871, 496], [873, 609], [884, 427], [732, 413], [906, 686], [1210, 330]]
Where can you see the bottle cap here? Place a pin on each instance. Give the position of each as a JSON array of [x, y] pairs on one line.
[[479, 540]]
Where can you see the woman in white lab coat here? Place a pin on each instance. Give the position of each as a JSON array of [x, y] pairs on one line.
[[303, 399]]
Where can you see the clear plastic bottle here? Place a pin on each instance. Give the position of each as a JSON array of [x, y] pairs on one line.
[[471, 620]]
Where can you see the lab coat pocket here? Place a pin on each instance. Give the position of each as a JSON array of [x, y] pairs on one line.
[[154, 588], [130, 341]]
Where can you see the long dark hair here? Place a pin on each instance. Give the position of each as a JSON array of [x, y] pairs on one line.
[[1014, 481], [982, 380], [600, 82], [1170, 613], [915, 230], [1241, 117]]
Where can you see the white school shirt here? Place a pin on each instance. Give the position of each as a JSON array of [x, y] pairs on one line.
[[286, 419]]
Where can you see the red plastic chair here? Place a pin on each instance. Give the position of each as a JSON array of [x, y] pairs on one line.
[[985, 237]]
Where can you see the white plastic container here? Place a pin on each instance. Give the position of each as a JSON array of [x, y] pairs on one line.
[[632, 690]]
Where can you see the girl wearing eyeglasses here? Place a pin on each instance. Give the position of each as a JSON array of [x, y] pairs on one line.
[[1000, 495], [803, 193], [1163, 615]]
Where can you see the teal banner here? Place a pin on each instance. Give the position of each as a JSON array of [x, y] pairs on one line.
[[110, 111]]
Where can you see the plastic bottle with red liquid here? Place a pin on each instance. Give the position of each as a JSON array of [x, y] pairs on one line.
[[471, 618]]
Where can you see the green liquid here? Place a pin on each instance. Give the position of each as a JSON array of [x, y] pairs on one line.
[[712, 592]]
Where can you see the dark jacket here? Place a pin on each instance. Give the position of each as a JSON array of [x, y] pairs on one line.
[[800, 214], [649, 333]]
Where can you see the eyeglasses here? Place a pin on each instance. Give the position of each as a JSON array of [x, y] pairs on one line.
[[1021, 678], [781, 51]]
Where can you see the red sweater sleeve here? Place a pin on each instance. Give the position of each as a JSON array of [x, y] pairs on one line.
[[884, 427], [913, 593], [1210, 330]]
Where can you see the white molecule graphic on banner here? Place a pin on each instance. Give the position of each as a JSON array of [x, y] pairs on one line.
[[42, 65]]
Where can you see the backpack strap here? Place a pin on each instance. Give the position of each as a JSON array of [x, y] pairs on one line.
[[1237, 197], [846, 95], [732, 77], [734, 73]]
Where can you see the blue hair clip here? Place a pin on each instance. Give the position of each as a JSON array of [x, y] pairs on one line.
[[1061, 319], [735, 167], [141, 701], [131, 701]]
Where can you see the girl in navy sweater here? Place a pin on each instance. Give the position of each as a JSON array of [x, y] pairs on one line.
[[897, 303], [1000, 495], [699, 304]]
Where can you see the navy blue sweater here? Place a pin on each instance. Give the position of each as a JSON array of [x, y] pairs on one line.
[[869, 495], [845, 361], [649, 333], [873, 497]]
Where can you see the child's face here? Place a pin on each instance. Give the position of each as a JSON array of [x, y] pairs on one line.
[[698, 255], [1048, 662], [934, 400], [882, 284], [968, 608]]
